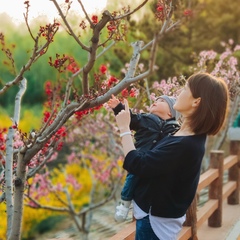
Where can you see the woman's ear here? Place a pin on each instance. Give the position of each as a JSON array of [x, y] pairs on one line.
[[196, 102]]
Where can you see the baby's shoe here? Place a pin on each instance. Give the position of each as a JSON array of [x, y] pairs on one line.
[[122, 211]]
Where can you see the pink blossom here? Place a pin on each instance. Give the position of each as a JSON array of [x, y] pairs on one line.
[[73, 181], [58, 187], [237, 48], [231, 41], [71, 157]]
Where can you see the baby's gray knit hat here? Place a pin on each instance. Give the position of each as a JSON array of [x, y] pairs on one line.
[[171, 101]]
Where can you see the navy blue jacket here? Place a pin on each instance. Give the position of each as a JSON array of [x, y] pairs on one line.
[[168, 174]]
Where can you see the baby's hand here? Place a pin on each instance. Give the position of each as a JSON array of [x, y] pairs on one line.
[[113, 102]]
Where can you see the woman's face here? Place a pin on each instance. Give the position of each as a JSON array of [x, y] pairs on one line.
[[185, 103]]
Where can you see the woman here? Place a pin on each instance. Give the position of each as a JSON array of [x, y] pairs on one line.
[[169, 173]]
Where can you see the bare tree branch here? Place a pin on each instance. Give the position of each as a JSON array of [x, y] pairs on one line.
[[131, 12], [71, 32]]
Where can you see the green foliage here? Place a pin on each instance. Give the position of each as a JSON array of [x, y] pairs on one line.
[[41, 70], [209, 25], [47, 224], [38, 221], [236, 123]]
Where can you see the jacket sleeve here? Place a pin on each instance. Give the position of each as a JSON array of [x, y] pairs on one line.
[[135, 118], [171, 126], [118, 108], [160, 160]]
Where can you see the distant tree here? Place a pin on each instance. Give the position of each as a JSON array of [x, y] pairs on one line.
[[205, 28]]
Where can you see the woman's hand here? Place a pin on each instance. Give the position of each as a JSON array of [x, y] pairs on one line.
[[123, 118]]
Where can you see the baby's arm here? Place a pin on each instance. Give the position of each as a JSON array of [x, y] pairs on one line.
[[116, 105], [113, 102]]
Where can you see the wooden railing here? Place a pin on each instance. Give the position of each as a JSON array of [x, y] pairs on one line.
[[218, 191]]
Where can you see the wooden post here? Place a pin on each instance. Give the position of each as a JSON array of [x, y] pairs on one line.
[[216, 187], [191, 218], [233, 174]]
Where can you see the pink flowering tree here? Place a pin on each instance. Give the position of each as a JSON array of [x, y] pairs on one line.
[[98, 143], [95, 147], [24, 154], [220, 64], [226, 66]]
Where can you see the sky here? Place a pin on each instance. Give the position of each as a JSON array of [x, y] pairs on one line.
[[16, 8]]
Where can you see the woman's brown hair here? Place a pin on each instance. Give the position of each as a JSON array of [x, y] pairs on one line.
[[212, 110]]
